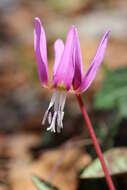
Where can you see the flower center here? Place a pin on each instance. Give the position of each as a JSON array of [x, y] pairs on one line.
[[55, 111]]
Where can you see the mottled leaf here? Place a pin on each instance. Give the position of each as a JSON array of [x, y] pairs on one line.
[[123, 106], [41, 184], [116, 161], [113, 91]]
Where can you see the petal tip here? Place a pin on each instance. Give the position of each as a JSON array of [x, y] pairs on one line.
[[107, 33], [37, 19], [37, 22], [57, 41], [73, 28]]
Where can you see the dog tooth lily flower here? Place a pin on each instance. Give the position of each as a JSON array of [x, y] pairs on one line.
[[67, 71], [68, 77]]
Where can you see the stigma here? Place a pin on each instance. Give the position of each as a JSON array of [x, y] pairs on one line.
[[55, 112]]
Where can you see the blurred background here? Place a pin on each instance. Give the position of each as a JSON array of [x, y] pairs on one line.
[[26, 148]]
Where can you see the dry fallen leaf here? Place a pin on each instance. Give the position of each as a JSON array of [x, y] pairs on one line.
[[66, 176], [61, 165]]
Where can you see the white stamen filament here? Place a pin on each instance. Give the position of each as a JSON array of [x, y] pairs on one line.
[[47, 111], [50, 117], [55, 115]]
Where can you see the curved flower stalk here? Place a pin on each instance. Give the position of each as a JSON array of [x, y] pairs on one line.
[[67, 71]]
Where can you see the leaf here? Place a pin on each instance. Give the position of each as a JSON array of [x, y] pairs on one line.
[[123, 107], [116, 161], [113, 91], [41, 184]]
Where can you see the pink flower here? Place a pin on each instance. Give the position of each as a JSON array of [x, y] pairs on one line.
[[67, 71]]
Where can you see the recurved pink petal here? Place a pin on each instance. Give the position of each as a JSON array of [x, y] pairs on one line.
[[92, 70], [65, 71], [78, 75], [41, 51], [58, 49]]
